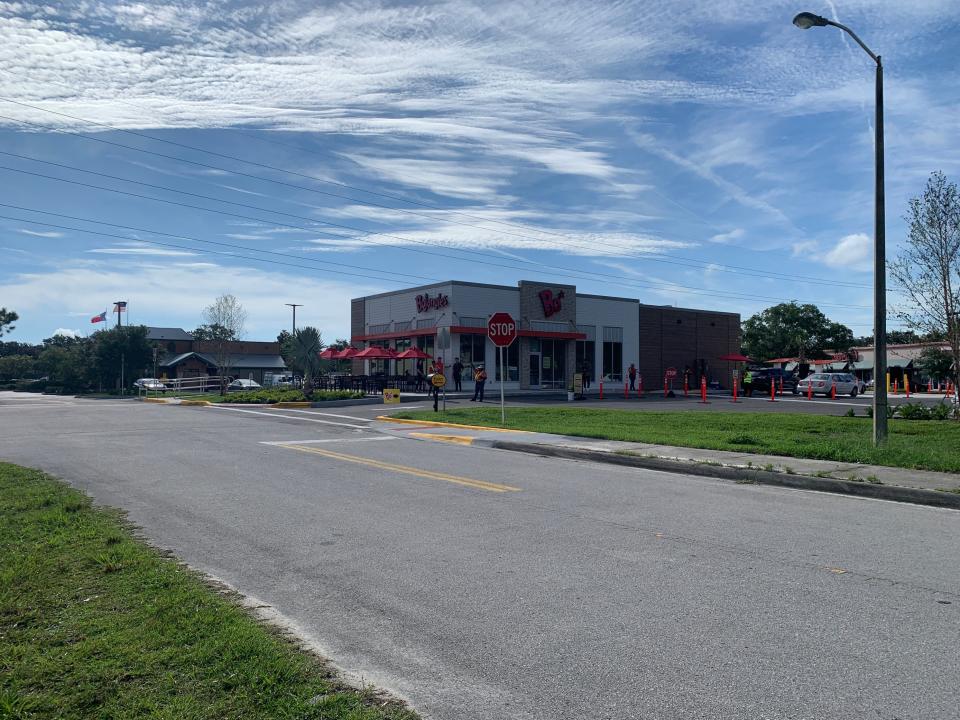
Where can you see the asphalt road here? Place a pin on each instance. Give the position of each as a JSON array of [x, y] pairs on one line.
[[485, 584]]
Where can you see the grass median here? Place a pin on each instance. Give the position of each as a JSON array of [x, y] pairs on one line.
[[919, 444], [94, 623]]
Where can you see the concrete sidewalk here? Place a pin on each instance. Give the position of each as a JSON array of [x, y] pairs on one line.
[[917, 486]]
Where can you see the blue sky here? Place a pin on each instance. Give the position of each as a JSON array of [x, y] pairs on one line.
[[695, 153]]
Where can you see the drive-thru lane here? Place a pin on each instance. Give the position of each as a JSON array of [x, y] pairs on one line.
[[580, 591]]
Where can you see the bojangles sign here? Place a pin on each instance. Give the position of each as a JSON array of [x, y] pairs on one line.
[[551, 303], [427, 302]]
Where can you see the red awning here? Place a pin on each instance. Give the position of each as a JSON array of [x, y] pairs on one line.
[[782, 360], [328, 354]]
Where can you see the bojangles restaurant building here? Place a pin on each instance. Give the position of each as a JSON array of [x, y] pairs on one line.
[[561, 332]]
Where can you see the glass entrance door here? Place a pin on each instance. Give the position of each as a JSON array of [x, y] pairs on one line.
[[534, 369]]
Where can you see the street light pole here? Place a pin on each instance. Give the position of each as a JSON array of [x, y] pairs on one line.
[[805, 21], [294, 306]]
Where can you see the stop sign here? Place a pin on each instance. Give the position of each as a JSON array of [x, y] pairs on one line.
[[501, 329]]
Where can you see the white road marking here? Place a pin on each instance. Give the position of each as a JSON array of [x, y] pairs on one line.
[[289, 417], [326, 440], [37, 405], [326, 414]]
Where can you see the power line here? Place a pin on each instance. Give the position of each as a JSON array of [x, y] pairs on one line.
[[653, 257], [671, 287]]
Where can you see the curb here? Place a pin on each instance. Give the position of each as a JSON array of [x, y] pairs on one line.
[[898, 493], [194, 402], [293, 404], [435, 423], [154, 400]]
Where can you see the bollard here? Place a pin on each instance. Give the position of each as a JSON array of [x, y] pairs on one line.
[[625, 392], [896, 387], [664, 385], [781, 387], [833, 390], [773, 390], [734, 389], [686, 387], [703, 390], [640, 387], [809, 391], [906, 385], [601, 388]]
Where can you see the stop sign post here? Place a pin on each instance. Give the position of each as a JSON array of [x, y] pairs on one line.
[[502, 331]]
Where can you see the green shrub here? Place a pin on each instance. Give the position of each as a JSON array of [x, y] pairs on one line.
[[850, 413], [942, 411], [914, 411], [275, 395]]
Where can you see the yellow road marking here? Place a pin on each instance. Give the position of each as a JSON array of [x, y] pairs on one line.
[[429, 474], [838, 571], [459, 439], [435, 423]]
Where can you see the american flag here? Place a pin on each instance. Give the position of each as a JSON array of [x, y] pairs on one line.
[[120, 306]]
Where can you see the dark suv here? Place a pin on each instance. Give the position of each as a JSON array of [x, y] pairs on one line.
[[763, 376]]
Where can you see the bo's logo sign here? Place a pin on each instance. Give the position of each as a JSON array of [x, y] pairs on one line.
[[425, 303], [551, 304]]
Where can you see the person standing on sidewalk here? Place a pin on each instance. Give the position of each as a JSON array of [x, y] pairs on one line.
[[748, 383], [479, 380], [632, 374], [457, 375]]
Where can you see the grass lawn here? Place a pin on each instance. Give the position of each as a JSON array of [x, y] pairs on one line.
[[95, 624], [921, 444]]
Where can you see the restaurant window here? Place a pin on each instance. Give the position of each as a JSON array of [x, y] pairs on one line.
[[472, 352], [613, 353], [400, 345], [426, 343], [586, 354], [512, 356]]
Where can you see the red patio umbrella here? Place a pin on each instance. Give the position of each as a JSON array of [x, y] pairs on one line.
[[734, 357], [413, 353], [375, 353], [328, 354], [345, 354]]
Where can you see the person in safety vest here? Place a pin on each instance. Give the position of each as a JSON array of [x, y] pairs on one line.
[[748, 383], [479, 380]]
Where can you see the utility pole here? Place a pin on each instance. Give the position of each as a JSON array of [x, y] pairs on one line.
[[294, 306]]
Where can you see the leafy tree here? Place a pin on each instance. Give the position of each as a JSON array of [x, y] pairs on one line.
[[124, 351], [214, 332], [936, 362], [793, 330], [303, 355], [7, 320], [18, 348], [226, 319], [67, 363], [928, 269], [894, 337], [16, 367]]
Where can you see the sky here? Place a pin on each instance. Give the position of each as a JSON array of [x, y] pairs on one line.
[[687, 152]]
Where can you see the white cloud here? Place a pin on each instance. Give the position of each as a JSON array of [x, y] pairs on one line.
[[66, 332], [852, 252], [728, 238], [802, 248], [160, 296], [43, 234]]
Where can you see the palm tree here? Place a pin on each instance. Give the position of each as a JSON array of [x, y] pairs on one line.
[[304, 354]]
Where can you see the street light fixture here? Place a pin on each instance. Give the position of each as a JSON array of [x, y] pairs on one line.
[[805, 21], [294, 306]]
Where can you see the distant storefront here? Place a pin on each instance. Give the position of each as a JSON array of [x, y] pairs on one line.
[[561, 332]]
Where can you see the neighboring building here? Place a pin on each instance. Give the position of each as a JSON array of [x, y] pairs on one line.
[[180, 355], [561, 332], [902, 360]]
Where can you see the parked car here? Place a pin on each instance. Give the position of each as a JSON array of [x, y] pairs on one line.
[[762, 377], [150, 384], [240, 385], [822, 383]]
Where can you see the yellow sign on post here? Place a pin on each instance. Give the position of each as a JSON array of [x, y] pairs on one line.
[[391, 396], [438, 380]]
